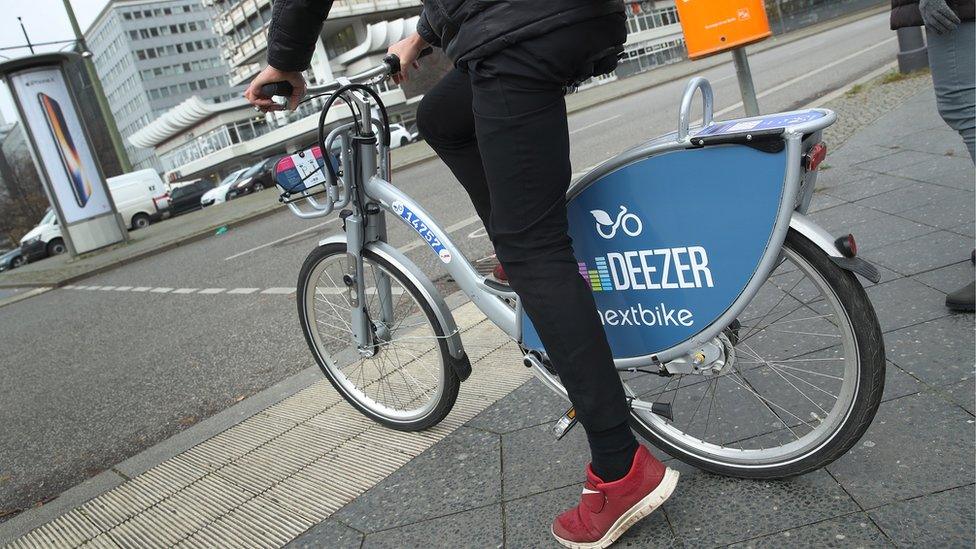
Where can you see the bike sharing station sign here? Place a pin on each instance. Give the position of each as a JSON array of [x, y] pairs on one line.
[[668, 243], [62, 152], [714, 26]]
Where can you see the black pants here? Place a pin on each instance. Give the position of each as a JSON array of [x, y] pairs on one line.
[[500, 125]]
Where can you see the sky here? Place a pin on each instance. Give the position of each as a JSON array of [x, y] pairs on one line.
[[45, 21]]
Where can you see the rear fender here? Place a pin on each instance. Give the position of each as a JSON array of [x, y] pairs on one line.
[[825, 241]]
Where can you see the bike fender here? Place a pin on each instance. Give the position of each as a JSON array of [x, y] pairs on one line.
[[825, 241], [459, 359]]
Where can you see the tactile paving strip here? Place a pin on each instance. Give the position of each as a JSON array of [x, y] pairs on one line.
[[263, 482]]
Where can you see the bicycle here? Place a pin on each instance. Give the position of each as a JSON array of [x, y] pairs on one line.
[[746, 345]]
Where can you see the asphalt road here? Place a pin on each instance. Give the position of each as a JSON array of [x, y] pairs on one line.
[[91, 377]]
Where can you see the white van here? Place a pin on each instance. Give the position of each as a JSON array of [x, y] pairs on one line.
[[44, 239], [140, 197]]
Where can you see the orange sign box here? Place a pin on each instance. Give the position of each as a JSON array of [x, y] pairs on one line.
[[714, 26]]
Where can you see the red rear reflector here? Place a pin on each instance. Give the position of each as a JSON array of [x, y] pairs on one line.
[[813, 158], [846, 245]]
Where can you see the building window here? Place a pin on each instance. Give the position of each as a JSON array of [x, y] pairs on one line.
[[643, 16], [341, 42]]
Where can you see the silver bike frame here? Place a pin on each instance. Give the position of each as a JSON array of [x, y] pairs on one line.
[[366, 228]]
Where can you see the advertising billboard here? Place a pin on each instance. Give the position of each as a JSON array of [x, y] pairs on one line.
[[61, 145]]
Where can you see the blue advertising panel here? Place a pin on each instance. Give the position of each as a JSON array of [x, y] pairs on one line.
[[668, 243]]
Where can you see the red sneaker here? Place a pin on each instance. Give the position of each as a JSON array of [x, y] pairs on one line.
[[608, 509], [499, 273]]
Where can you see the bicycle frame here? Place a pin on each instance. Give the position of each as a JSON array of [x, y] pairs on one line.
[[366, 178]]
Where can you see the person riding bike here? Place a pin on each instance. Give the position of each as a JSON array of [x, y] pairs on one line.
[[498, 120]]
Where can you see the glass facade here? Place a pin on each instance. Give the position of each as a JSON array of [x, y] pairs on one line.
[[213, 141], [150, 58]]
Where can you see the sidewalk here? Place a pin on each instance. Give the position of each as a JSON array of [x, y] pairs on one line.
[[58, 271], [298, 465]]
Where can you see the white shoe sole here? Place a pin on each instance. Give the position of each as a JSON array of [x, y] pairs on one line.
[[640, 510]]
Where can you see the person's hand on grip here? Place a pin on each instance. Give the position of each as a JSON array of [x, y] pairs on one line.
[[408, 50], [268, 76]]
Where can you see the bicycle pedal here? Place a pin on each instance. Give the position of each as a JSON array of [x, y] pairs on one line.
[[564, 424]]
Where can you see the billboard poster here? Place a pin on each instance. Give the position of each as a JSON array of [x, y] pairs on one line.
[[62, 147]]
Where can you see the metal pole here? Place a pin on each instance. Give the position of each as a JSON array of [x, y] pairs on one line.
[[912, 53], [746, 88], [29, 45], [113, 130]]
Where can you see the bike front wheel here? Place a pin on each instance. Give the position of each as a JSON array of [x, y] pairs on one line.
[[402, 378], [802, 383]]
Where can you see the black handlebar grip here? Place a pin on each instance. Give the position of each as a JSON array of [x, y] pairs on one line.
[[393, 61], [283, 89]]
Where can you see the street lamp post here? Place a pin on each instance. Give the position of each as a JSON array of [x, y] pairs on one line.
[[113, 130]]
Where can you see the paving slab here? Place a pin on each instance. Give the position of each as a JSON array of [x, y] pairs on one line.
[[837, 218], [899, 383], [938, 352], [949, 171], [943, 519], [894, 162], [527, 522], [854, 530], [923, 253], [939, 141], [460, 473], [948, 279], [701, 515], [528, 406], [965, 229], [480, 527], [536, 462], [914, 195], [852, 184], [963, 394], [894, 311], [893, 462], [328, 533]]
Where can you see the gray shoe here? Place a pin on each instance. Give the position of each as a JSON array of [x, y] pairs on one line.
[[963, 299]]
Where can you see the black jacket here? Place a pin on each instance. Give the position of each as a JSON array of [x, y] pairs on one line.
[[904, 13], [465, 29]]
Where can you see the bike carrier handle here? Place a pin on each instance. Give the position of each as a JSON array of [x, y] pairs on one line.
[[708, 101]]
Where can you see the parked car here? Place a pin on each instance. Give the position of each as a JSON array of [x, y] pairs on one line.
[[12, 259], [222, 192], [185, 197], [140, 197], [44, 239], [400, 136], [257, 178]]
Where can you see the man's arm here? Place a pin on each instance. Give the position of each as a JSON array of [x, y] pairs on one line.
[[295, 27]]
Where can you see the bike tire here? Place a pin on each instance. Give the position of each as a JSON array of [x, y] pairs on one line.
[[871, 378], [449, 379]]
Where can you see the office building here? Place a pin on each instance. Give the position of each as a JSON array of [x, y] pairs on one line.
[[152, 55]]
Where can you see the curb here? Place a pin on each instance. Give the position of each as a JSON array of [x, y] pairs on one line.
[[844, 89], [193, 237], [24, 295]]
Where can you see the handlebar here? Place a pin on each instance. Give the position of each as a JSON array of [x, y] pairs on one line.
[[389, 66]]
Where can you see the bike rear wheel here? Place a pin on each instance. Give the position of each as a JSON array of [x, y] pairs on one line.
[[804, 382], [404, 379]]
